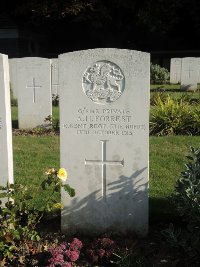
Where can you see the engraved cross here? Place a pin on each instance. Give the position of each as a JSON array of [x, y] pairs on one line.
[[103, 163], [34, 86]]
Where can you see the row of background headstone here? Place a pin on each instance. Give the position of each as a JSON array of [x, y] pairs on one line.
[[33, 82], [185, 71], [14, 63]]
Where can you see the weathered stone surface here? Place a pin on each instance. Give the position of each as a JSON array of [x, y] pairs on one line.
[[34, 91], [104, 118], [189, 74], [175, 70], [6, 153]]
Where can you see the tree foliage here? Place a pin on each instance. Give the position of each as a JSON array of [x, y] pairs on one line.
[[131, 20]]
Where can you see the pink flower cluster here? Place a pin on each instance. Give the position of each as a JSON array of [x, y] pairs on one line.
[[65, 254]]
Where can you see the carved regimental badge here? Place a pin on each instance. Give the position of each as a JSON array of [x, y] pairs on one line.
[[103, 82]]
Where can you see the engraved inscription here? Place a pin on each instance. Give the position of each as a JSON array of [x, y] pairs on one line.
[[103, 163], [106, 121], [103, 82]]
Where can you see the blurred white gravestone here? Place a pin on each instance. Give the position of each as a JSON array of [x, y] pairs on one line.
[[6, 153], [175, 70], [54, 77], [13, 75], [189, 74], [104, 114], [198, 69], [34, 91]]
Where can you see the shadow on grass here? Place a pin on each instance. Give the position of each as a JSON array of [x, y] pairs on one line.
[[162, 90]]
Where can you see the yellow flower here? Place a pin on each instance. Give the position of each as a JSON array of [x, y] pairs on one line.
[[62, 174], [50, 171], [58, 206]]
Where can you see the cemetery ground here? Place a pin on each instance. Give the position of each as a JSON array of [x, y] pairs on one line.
[[35, 153], [32, 156]]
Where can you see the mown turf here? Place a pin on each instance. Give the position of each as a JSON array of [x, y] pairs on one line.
[[33, 155], [174, 91], [167, 159]]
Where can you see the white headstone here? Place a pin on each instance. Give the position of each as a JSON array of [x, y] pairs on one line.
[[34, 91], [13, 75], [198, 69], [6, 153], [175, 70], [54, 76], [104, 117], [189, 74]]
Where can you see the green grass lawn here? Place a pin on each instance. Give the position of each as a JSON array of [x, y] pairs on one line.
[[33, 155], [169, 86], [174, 91], [167, 159]]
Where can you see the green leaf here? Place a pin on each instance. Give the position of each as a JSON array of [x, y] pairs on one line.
[[43, 185], [37, 238], [189, 157], [69, 190]]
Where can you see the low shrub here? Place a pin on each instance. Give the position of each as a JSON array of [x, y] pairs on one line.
[[159, 75], [190, 99], [18, 218], [53, 123], [174, 117], [130, 256], [187, 196], [186, 200], [156, 97]]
